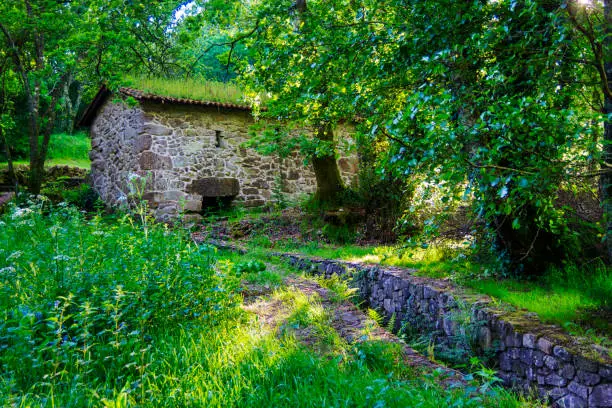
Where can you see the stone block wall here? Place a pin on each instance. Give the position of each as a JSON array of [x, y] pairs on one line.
[[568, 371], [176, 145]]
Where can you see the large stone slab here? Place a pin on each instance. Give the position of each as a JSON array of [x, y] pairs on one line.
[[215, 187], [154, 161]]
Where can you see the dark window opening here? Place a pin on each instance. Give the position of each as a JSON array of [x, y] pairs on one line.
[[218, 139], [212, 205]]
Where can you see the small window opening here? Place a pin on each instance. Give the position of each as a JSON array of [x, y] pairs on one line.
[[218, 139]]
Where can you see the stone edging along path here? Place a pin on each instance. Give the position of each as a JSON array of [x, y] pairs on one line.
[[528, 354], [350, 323]]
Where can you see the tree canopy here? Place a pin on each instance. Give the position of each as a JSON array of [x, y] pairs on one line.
[[500, 105]]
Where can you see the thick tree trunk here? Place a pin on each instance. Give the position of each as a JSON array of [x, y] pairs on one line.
[[37, 175], [329, 182], [606, 179]]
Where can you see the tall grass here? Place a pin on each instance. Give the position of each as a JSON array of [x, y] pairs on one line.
[[82, 299], [70, 147], [197, 89], [572, 296]]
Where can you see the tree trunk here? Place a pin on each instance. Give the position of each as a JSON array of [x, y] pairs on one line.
[[75, 107], [329, 182], [11, 169], [606, 179], [37, 174]]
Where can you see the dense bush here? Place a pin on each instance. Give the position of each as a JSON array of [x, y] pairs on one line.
[[82, 299]]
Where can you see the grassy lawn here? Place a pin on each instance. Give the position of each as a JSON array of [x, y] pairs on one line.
[[64, 150], [106, 312]]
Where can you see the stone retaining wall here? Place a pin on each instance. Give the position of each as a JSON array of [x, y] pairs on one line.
[[528, 354], [176, 145]]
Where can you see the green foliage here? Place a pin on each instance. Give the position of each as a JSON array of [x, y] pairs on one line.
[[339, 288], [384, 196], [83, 197], [64, 150], [489, 102], [379, 355], [82, 300], [578, 296], [53, 51], [247, 267], [98, 313], [70, 147]]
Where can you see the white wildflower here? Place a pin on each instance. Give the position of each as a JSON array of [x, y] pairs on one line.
[[21, 213], [61, 257], [7, 270], [14, 255], [133, 176]]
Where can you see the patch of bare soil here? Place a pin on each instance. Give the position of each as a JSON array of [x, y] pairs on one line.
[[288, 225]]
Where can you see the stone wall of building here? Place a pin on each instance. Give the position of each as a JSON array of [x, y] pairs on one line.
[[115, 136], [176, 145], [568, 371]]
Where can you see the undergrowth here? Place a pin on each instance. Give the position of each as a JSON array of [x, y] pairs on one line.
[[83, 299], [114, 313]]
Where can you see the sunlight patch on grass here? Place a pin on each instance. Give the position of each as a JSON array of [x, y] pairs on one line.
[[558, 306], [82, 164], [573, 295], [64, 150]]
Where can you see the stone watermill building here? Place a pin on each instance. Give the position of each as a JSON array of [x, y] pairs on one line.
[[191, 153]]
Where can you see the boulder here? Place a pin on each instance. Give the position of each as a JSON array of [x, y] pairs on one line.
[[5, 198]]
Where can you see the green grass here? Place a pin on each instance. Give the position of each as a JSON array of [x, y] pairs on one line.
[[64, 150], [577, 298], [188, 88], [436, 261], [111, 313]]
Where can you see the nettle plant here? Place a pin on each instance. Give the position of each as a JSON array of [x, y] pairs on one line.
[[82, 298]]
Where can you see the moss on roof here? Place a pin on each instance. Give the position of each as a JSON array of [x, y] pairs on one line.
[[195, 89]]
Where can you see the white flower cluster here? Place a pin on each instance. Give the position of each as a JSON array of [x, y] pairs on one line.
[[21, 213], [7, 270], [14, 255], [61, 257]]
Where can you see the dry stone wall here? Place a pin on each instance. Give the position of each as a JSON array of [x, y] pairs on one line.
[[569, 372], [174, 146]]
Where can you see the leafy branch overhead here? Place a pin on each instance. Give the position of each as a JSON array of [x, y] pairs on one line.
[[503, 100]]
